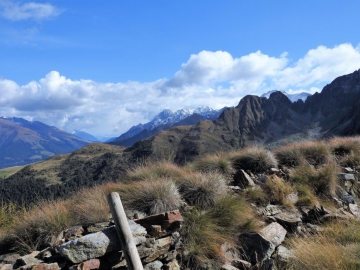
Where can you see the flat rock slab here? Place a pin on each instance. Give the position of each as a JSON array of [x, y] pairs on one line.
[[98, 244], [274, 232]]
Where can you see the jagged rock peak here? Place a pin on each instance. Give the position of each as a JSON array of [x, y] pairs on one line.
[[292, 97]]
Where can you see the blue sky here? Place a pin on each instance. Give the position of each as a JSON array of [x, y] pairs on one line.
[[102, 66]]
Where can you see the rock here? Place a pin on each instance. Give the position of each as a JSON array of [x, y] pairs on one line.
[[98, 244], [51, 266], [347, 177], [229, 267], [160, 247], [316, 213], [313, 229], [230, 252], [173, 265], [289, 220], [241, 264], [257, 247], [6, 266], [283, 255], [267, 264], [87, 265], [169, 221], [353, 209], [269, 210], [348, 169], [242, 179], [292, 198], [274, 232], [73, 233], [29, 260], [9, 258], [155, 265], [348, 198]]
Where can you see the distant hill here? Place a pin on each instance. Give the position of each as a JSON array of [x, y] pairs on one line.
[[163, 121], [85, 136], [23, 142]]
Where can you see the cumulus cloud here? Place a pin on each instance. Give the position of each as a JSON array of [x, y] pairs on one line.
[[16, 11], [215, 79]]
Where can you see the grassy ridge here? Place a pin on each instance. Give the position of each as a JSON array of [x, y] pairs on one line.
[[216, 215]]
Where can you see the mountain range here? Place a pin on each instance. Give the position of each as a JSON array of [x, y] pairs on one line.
[[165, 120], [255, 120], [23, 142], [261, 120]]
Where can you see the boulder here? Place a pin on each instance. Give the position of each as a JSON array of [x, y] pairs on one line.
[[257, 247], [98, 244]]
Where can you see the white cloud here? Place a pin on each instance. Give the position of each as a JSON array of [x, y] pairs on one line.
[[16, 11], [215, 79]]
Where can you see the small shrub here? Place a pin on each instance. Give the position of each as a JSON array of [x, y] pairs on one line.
[[278, 190], [213, 163], [202, 190], [152, 196], [255, 159]]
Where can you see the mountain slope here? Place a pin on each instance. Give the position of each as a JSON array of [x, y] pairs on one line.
[[23, 142], [262, 120]]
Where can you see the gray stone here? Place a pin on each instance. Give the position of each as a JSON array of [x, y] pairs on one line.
[[241, 264], [6, 266], [255, 248], [353, 209], [229, 267], [155, 265], [9, 258], [274, 232], [98, 244], [347, 177], [283, 254], [348, 169], [29, 260], [288, 220]]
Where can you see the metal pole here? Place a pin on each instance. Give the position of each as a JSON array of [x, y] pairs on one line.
[[123, 229]]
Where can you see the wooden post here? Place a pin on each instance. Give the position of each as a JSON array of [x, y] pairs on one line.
[[123, 229]]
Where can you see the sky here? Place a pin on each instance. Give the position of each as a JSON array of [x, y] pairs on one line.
[[104, 66]]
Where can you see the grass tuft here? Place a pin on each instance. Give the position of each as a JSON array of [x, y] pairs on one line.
[[213, 163], [152, 196], [278, 190], [202, 190], [204, 231], [254, 159]]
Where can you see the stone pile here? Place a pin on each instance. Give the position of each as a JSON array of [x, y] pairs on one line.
[[157, 238]]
